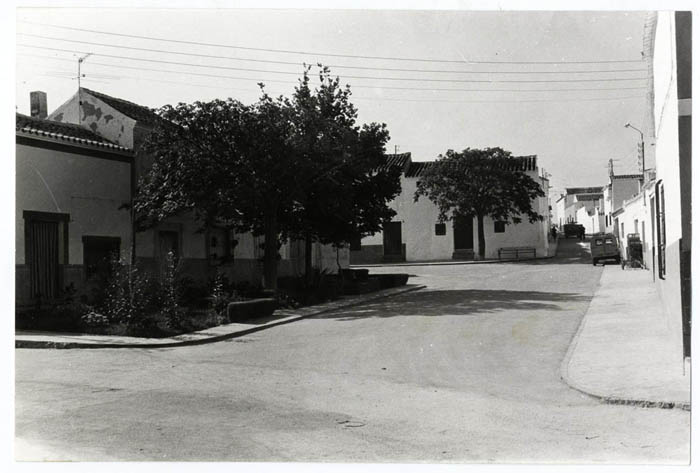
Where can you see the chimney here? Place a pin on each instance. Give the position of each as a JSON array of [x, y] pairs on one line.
[[37, 103]]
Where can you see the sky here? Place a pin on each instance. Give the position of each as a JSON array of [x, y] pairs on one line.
[[503, 72]]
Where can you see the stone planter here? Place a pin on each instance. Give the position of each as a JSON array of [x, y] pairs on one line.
[[387, 281], [252, 309]]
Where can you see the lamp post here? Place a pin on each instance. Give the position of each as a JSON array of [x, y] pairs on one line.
[[641, 134]]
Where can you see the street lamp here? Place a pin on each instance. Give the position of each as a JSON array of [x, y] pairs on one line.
[[628, 125]]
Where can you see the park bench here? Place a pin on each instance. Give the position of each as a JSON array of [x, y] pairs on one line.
[[516, 252]]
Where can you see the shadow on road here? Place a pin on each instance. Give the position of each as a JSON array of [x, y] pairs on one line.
[[459, 302], [569, 251]]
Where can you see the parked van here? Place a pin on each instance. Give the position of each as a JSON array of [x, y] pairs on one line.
[[604, 247]]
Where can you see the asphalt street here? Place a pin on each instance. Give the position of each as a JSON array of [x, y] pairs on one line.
[[466, 370]]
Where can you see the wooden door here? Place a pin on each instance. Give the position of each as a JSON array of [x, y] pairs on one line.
[[464, 233], [43, 259], [392, 239]]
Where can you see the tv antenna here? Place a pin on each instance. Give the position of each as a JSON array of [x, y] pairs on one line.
[[80, 63]]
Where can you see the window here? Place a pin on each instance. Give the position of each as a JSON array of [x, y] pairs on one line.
[[440, 229], [661, 228], [218, 245], [499, 227], [599, 242], [168, 242], [98, 253]]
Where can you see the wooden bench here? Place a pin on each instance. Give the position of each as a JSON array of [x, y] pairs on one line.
[[516, 252]]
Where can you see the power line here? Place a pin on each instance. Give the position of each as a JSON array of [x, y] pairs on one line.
[[422, 89], [285, 51], [387, 99], [337, 66], [599, 99], [131, 58]]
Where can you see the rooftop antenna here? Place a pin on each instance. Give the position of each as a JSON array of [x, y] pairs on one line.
[[396, 149], [80, 75], [80, 63]]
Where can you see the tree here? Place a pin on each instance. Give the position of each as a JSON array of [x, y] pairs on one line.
[[480, 183], [347, 196], [274, 168], [227, 162]]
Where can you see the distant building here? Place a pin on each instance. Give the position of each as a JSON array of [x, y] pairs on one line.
[[416, 235], [619, 189], [569, 206]]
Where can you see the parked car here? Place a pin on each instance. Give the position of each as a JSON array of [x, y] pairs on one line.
[[604, 246], [574, 229]]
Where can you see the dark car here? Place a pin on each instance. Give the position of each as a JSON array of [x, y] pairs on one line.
[[575, 230]]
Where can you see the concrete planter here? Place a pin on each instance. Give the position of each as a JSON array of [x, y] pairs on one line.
[[361, 287], [387, 281], [252, 309]]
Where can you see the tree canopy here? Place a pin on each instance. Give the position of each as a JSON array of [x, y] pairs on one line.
[[480, 183], [281, 167]]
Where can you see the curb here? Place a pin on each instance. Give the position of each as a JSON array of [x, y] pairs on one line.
[[450, 263], [213, 339], [564, 375]]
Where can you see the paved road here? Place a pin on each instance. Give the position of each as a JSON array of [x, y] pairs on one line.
[[466, 370]]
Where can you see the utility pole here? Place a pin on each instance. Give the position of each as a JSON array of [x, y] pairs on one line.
[[640, 150]]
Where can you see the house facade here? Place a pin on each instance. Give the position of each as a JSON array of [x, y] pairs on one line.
[[660, 212], [416, 235], [73, 189], [121, 127], [669, 121]]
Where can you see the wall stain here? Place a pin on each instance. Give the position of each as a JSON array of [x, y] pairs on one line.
[[109, 117], [90, 109], [93, 126], [58, 118]]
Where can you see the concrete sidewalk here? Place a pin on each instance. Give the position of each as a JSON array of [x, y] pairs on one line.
[[29, 339], [552, 253], [623, 351]]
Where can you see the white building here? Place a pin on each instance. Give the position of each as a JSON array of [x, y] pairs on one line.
[[661, 211], [415, 234]]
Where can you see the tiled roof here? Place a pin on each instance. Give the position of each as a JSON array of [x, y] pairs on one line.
[[139, 113], [516, 163], [583, 190], [399, 160], [416, 169], [589, 196], [523, 163], [627, 176], [66, 132]]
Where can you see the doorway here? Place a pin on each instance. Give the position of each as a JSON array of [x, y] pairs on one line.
[[393, 246]]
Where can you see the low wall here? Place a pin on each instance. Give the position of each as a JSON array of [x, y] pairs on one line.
[[367, 254]]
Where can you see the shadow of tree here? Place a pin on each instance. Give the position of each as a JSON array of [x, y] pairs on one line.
[[432, 303]]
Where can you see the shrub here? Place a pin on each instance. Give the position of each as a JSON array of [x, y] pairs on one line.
[[129, 293], [94, 319], [170, 309]]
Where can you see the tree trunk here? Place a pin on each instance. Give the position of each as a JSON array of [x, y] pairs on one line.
[[308, 268], [482, 239], [271, 252]]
